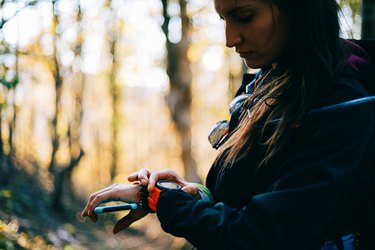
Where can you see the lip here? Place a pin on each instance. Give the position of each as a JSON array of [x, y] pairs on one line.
[[245, 53], [241, 51]]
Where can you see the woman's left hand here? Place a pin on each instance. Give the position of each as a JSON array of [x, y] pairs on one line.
[[116, 192]]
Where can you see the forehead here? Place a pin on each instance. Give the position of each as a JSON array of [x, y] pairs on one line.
[[226, 6]]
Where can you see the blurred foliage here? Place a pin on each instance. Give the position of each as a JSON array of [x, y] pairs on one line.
[[351, 18], [10, 84], [11, 239], [26, 221], [353, 4]]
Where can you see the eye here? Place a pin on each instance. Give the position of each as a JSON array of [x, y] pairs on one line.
[[244, 19]]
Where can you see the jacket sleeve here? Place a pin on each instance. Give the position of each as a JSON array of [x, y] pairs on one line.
[[319, 173]]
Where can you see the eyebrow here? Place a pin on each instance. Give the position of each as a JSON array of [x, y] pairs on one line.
[[236, 9]]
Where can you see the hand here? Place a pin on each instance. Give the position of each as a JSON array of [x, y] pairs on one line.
[[149, 179], [116, 192]]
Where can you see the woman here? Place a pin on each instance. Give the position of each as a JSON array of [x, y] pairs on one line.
[[289, 174]]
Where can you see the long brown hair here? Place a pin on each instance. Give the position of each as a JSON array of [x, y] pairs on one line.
[[305, 70]]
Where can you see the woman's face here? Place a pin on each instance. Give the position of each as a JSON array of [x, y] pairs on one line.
[[257, 29]]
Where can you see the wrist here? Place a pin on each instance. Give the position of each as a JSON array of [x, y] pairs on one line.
[[149, 200], [135, 190], [204, 192]]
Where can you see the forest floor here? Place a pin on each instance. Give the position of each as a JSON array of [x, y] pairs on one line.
[[27, 222]]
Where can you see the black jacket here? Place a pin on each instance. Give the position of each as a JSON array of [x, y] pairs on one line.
[[316, 190]]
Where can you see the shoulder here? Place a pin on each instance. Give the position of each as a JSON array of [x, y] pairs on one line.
[[344, 88], [341, 109], [358, 64]]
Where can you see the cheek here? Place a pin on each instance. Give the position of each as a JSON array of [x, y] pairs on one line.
[[267, 48], [280, 39], [271, 40], [260, 34]]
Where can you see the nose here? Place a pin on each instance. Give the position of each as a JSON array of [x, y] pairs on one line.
[[232, 35]]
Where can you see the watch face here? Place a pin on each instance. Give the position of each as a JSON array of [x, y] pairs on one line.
[[168, 185]]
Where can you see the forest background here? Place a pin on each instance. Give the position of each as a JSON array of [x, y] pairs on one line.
[[92, 91]]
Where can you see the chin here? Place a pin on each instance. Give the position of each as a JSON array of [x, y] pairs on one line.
[[259, 61], [255, 64]]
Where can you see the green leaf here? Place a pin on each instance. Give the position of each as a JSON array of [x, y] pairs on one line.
[[10, 84], [6, 193]]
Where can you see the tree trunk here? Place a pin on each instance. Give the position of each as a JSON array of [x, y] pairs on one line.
[[58, 89], [179, 98], [3, 166], [368, 19], [63, 174], [115, 93], [60, 180]]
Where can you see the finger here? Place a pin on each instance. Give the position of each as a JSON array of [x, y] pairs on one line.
[[154, 177], [99, 198], [165, 174], [86, 210], [143, 176], [133, 177], [93, 217], [181, 181], [191, 189]]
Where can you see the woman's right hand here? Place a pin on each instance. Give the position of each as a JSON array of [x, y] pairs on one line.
[[149, 179]]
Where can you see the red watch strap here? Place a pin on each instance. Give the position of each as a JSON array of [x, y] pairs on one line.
[[153, 199]]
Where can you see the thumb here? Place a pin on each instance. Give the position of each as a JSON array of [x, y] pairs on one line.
[[191, 189]]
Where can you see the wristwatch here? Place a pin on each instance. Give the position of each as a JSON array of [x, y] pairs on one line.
[[164, 185], [149, 201]]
